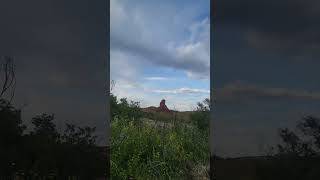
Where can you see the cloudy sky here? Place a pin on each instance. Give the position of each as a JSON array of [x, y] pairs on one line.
[[160, 49], [266, 69], [59, 49], [265, 58]]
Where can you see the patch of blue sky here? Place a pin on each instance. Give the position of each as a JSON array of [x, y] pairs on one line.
[[171, 78]]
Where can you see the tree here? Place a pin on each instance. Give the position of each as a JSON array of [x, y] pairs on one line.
[[114, 106], [44, 126], [79, 135], [78, 153], [11, 130], [124, 109], [72, 153], [297, 157], [305, 142], [201, 116], [310, 126], [43, 150], [11, 127], [8, 79]]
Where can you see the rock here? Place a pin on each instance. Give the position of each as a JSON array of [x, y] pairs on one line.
[[163, 107]]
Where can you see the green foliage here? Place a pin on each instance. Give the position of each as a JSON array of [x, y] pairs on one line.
[[10, 123], [79, 135], [44, 151], [44, 127], [124, 109], [304, 142], [161, 116], [297, 157], [144, 151], [201, 117], [11, 130]]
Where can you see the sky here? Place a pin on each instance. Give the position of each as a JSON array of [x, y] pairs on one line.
[[265, 62], [266, 68], [160, 50]]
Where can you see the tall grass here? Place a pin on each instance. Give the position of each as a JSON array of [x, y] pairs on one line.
[[145, 151]]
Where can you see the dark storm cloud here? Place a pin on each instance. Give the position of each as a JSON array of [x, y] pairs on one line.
[[261, 43], [242, 91], [60, 36], [59, 48], [279, 25]]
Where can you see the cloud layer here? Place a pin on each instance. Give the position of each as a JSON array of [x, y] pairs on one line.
[[278, 25], [242, 91], [273, 46], [145, 40]]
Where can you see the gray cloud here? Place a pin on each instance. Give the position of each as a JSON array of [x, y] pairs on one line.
[[134, 33], [259, 42], [184, 90], [161, 57], [240, 91], [289, 27]]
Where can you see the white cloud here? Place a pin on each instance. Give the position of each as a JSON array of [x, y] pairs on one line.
[[142, 34], [158, 78], [183, 90], [139, 34]]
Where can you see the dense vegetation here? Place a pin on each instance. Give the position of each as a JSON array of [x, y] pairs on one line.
[[141, 150], [43, 152], [295, 158], [303, 142], [298, 156]]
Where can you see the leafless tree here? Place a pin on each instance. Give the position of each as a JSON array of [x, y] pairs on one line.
[[112, 85], [7, 77]]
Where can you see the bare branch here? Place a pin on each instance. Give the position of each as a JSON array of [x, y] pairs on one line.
[[7, 70], [112, 85]]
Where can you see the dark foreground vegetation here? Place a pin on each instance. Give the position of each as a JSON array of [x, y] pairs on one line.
[[297, 158], [163, 147], [43, 152]]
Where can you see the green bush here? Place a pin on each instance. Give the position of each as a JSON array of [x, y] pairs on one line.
[[142, 151]]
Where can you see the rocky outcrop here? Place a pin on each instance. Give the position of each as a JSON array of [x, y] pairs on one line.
[[163, 107]]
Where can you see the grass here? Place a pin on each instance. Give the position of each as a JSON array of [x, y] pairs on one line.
[[146, 150]]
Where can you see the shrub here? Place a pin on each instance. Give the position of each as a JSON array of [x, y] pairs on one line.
[[142, 151]]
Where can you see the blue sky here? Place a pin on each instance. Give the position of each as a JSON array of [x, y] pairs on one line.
[[160, 49]]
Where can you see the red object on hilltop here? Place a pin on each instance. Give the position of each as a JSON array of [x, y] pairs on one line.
[[163, 107]]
